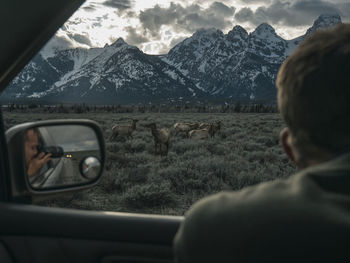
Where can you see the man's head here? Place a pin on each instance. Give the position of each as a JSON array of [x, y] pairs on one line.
[[31, 142], [314, 97]]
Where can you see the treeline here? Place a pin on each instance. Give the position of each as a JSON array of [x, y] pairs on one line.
[[85, 108]]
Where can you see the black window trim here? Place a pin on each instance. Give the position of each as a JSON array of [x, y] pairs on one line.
[[10, 70]]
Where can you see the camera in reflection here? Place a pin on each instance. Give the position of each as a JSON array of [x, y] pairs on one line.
[[56, 151]]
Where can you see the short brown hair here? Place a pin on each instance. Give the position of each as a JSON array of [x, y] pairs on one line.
[[35, 131], [314, 91]]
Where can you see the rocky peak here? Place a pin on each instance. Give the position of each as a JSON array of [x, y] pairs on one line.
[[207, 33], [328, 19], [237, 31], [199, 41], [325, 21], [264, 30], [119, 42]]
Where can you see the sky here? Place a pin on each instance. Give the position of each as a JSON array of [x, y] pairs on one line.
[[155, 26]]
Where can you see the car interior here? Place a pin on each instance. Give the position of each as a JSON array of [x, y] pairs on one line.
[[74, 154], [32, 233]]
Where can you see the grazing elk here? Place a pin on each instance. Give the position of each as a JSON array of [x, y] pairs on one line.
[[202, 133], [216, 127], [185, 127], [161, 137], [123, 130]]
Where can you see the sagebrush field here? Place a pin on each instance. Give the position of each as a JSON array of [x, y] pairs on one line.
[[244, 152]]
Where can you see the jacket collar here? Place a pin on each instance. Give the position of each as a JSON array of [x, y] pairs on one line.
[[333, 175]]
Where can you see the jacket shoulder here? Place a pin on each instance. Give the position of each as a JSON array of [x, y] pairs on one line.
[[234, 219]]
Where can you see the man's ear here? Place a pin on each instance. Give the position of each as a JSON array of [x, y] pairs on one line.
[[286, 141]]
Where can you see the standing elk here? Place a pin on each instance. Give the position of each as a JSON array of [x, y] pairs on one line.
[[202, 133], [123, 130], [185, 127], [216, 127], [161, 137]]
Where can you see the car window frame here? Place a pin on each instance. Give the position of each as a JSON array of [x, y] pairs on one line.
[[20, 55], [29, 44], [5, 180]]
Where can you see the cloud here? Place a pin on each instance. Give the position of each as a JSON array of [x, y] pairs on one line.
[[186, 19], [134, 38], [121, 5], [82, 39], [153, 18], [89, 8], [60, 42], [176, 41], [345, 11], [130, 14], [291, 13], [244, 15], [75, 21], [221, 9], [266, 2], [163, 49], [57, 42], [155, 48], [96, 24]]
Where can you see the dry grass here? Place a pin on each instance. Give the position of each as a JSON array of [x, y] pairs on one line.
[[245, 152]]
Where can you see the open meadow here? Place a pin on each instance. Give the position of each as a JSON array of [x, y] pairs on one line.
[[245, 151]]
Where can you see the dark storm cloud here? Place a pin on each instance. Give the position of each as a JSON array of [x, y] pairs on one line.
[[81, 39], [256, 1], [121, 5], [60, 41], [96, 24], [134, 38], [89, 8], [345, 11], [153, 18], [186, 19], [130, 14], [76, 21], [293, 13], [244, 15], [221, 9]]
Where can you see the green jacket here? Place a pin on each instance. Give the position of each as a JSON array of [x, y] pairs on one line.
[[305, 218]]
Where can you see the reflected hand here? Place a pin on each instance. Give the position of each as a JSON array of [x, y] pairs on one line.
[[36, 163]]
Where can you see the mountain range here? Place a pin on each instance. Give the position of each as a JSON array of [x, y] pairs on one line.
[[209, 66]]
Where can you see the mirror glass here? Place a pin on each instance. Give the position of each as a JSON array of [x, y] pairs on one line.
[[90, 167], [61, 155]]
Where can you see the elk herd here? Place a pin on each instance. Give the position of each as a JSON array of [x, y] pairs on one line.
[[192, 130]]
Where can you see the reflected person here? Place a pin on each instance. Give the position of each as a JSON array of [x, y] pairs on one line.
[[34, 160]]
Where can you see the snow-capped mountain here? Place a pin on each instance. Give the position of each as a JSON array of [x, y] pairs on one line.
[[322, 22], [209, 65], [118, 73], [238, 65], [231, 66]]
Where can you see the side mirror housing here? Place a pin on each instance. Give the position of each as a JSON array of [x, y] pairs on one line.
[[48, 158]]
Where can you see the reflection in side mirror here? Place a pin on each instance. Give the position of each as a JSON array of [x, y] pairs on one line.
[[61, 155], [55, 151]]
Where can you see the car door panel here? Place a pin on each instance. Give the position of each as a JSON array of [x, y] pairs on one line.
[[5, 256], [44, 234], [42, 249]]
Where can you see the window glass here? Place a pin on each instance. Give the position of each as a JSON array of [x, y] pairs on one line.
[[184, 92]]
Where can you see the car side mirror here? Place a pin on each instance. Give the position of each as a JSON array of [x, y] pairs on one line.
[[49, 157]]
